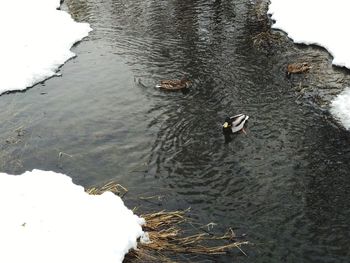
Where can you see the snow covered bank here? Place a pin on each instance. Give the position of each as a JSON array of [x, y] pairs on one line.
[[324, 23], [46, 218], [341, 108], [35, 41]]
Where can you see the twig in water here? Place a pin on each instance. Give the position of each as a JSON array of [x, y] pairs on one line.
[[159, 197], [63, 153]]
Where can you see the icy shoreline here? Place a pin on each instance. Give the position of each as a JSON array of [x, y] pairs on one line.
[[36, 41], [323, 23], [47, 218], [340, 107]]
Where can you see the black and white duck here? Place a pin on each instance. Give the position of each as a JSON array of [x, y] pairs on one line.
[[234, 124]]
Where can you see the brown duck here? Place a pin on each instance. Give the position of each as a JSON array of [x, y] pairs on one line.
[[174, 84], [297, 68]]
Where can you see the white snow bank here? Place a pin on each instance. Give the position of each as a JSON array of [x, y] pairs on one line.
[[35, 41], [322, 22], [46, 218], [340, 108]]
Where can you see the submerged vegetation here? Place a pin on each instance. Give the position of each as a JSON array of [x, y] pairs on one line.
[[265, 37], [169, 235]]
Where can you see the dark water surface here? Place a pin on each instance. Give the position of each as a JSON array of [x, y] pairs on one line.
[[286, 184]]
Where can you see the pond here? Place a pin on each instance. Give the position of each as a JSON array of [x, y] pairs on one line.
[[285, 184]]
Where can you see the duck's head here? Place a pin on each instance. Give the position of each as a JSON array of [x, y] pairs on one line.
[[184, 78], [226, 127], [288, 74], [185, 81]]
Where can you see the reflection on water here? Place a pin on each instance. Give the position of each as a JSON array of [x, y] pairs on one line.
[[285, 183]]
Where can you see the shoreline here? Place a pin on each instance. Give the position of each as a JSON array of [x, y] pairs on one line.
[[320, 98]]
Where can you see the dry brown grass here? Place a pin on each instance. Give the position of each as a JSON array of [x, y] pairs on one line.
[[266, 38], [167, 235], [111, 186]]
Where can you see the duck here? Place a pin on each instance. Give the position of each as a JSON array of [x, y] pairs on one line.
[[297, 68], [174, 84], [234, 124]]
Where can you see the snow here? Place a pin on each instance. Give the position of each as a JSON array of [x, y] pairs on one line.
[[341, 107], [320, 22], [35, 41], [45, 217]]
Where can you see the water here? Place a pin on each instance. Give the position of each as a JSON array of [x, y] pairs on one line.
[[285, 184]]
